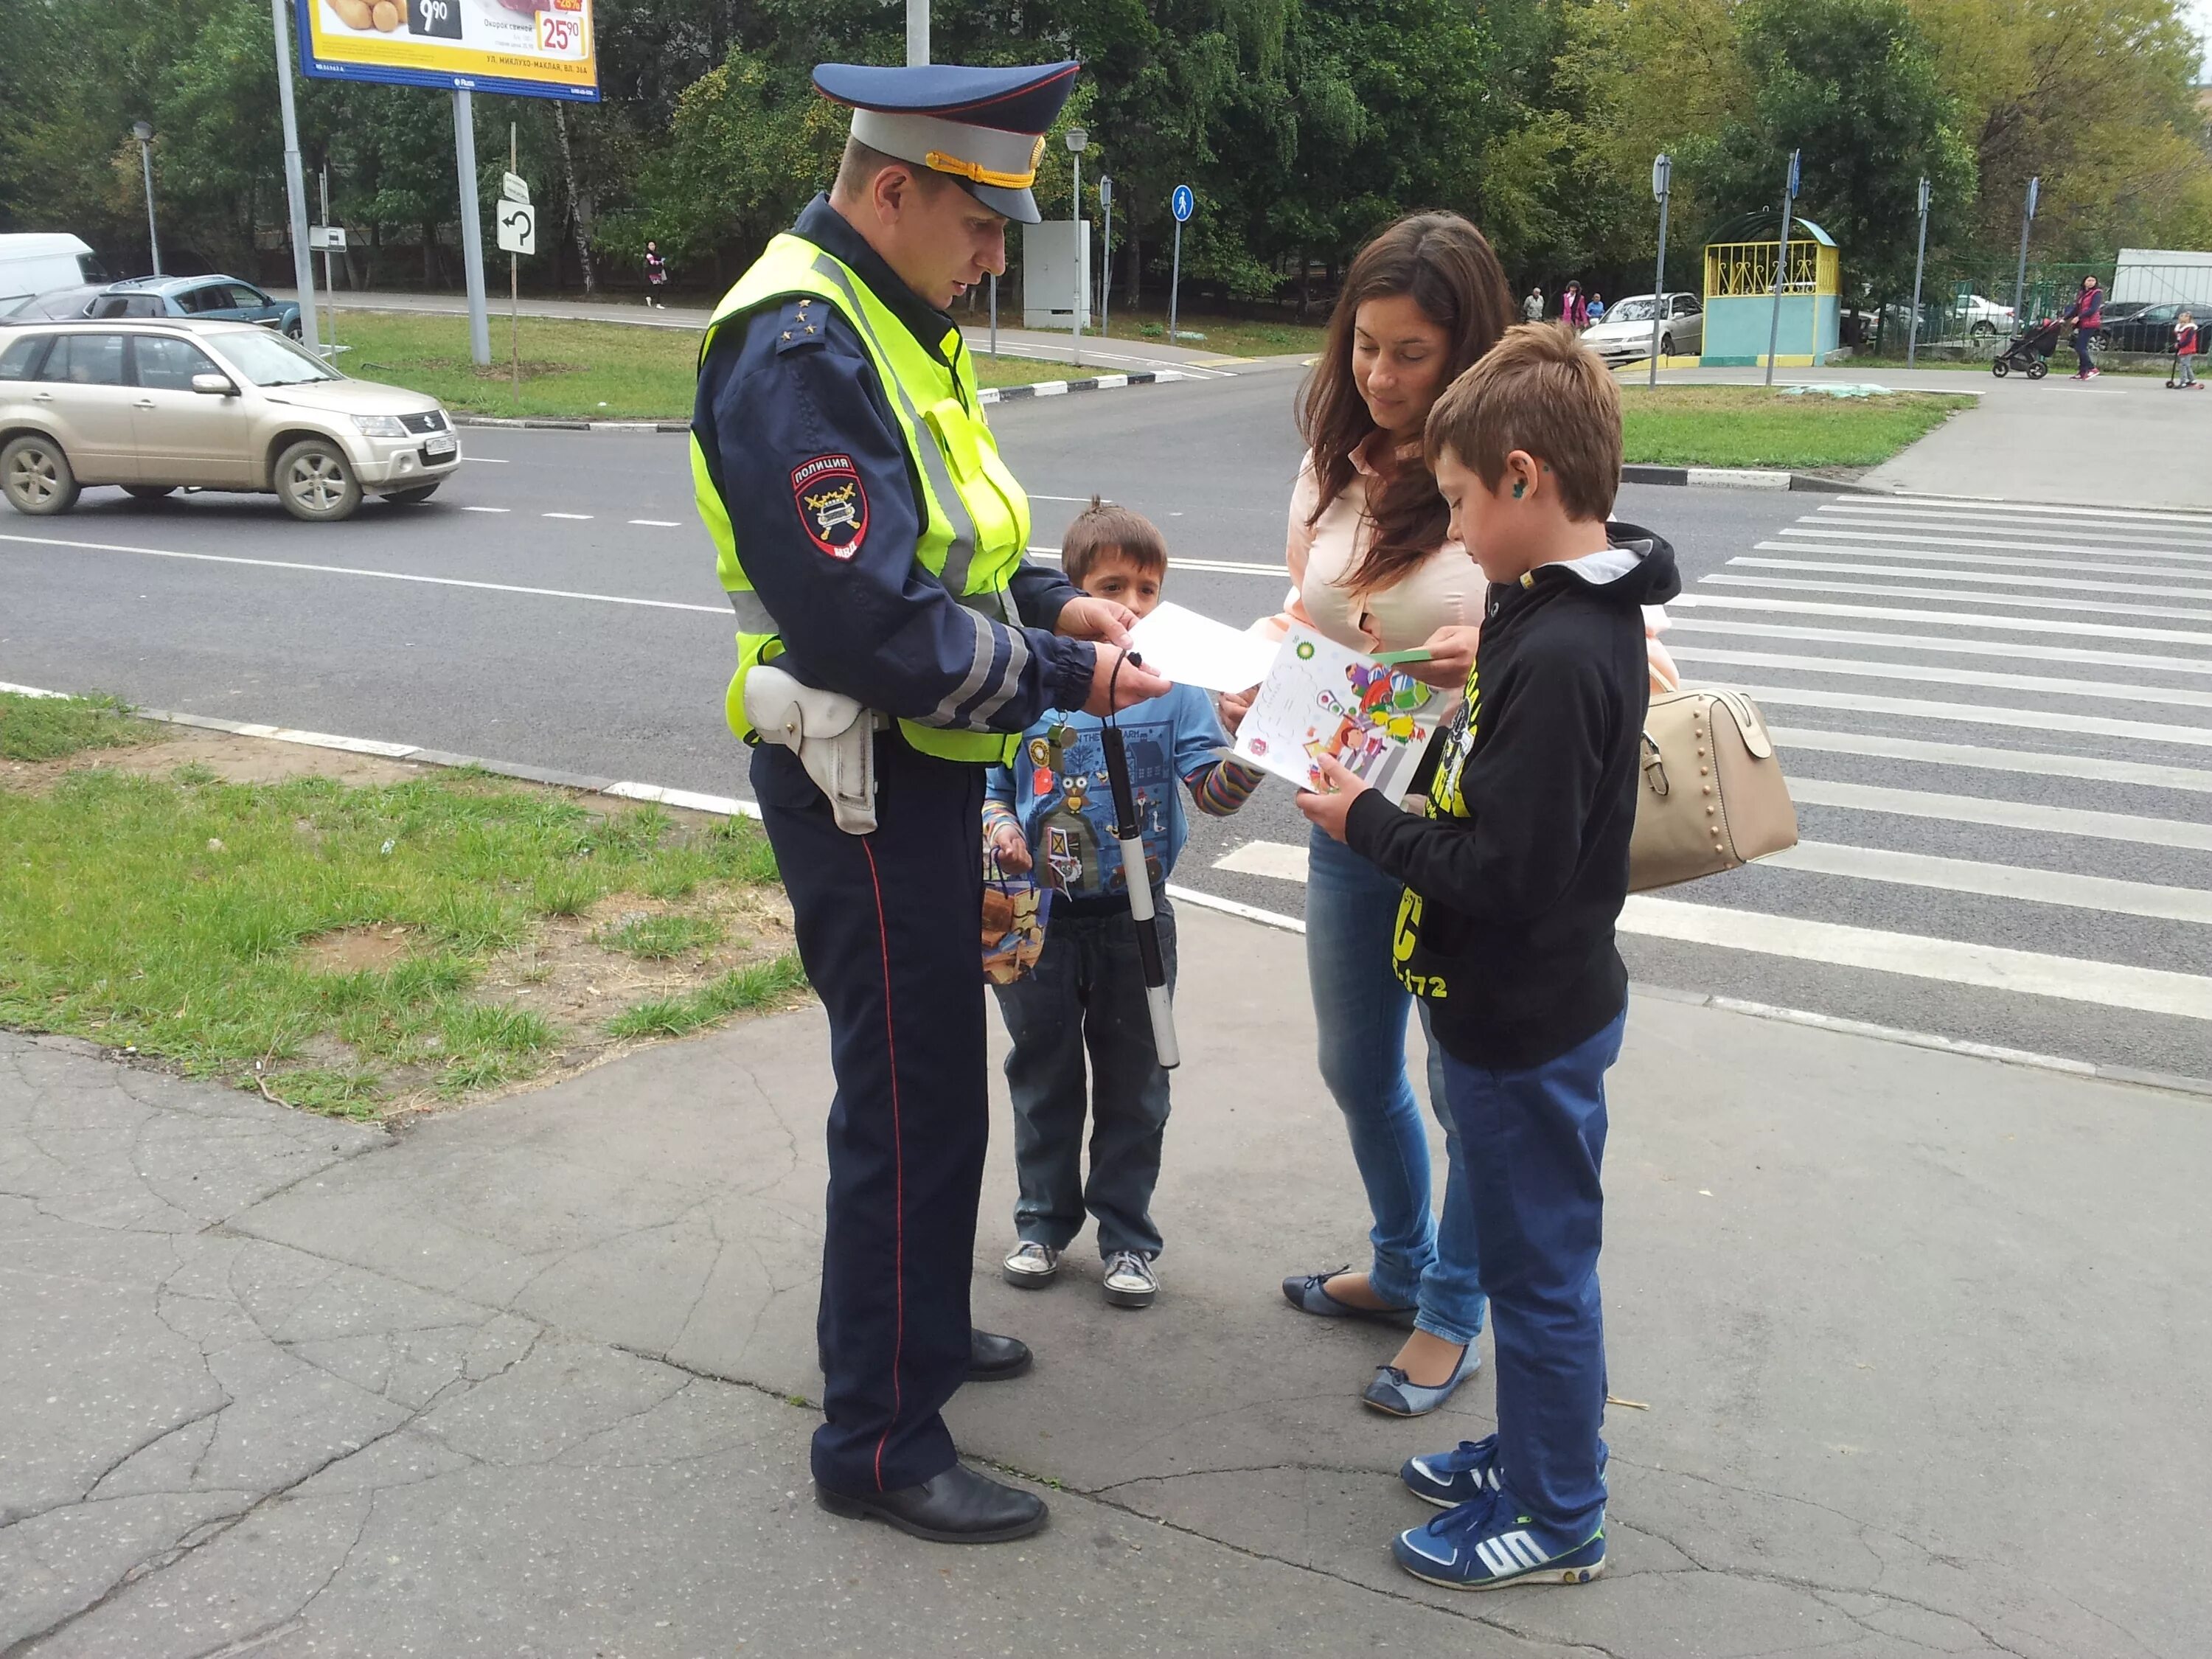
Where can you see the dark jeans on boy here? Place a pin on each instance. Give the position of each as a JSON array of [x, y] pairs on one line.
[[1534, 1139], [1086, 997]]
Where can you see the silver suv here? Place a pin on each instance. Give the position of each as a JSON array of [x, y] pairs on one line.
[[155, 406]]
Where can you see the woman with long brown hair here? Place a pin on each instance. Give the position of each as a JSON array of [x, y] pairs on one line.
[[1372, 566]]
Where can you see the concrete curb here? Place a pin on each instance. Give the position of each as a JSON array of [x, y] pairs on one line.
[[733, 807], [996, 394], [1730, 477]]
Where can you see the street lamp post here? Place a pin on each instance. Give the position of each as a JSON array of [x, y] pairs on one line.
[[144, 133], [1782, 265], [1919, 262], [1662, 174], [1078, 140]]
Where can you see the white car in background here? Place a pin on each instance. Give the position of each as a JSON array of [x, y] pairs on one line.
[[1626, 333], [1980, 316], [177, 403]]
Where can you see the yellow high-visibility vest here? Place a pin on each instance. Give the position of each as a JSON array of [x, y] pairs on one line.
[[975, 525]]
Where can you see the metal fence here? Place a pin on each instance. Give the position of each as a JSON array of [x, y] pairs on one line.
[[1972, 310], [1744, 269]]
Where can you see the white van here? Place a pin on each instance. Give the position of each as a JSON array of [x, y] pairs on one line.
[[39, 261]]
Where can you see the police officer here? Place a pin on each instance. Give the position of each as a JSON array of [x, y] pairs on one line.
[[893, 641]]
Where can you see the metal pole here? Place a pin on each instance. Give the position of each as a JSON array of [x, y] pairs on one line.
[[2019, 276], [514, 281], [1919, 264], [329, 282], [1175, 282], [1659, 290], [296, 183], [994, 313], [1781, 271], [1106, 253], [1082, 293], [464, 162], [917, 31], [153, 238]]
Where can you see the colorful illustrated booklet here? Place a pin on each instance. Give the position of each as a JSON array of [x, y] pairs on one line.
[[1321, 699]]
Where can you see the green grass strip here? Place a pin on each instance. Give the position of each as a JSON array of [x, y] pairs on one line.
[[47, 728], [743, 989], [1758, 427]]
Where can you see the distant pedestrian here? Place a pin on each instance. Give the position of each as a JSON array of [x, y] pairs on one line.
[[656, 274], [1574, 310], [2185, 352], [1532, 308], [1597, 309], [2087, 313]]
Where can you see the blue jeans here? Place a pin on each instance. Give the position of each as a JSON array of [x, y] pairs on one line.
[[1087, 996], [1351, 913], [1536, 1140]]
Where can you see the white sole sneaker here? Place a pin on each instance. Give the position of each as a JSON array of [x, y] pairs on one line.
[[1031, 1268]]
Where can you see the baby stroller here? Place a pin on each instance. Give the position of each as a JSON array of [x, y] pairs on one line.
[[2029, 350]]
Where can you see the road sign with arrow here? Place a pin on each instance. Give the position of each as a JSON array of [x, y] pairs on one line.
[[518, 228]]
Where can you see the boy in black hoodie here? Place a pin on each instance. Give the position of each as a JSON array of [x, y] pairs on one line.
[[1514, 880]]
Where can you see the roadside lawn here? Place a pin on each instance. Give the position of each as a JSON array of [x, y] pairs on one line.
[[352, 935], [1231, 336], [570, 370], [1762, 427]]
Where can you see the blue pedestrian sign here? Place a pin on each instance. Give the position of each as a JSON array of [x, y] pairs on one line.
[[1790, 190], [1183, 202]]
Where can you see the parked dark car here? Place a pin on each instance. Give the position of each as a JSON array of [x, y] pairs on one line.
[[2150, 329], [61, 305], [215, 299]]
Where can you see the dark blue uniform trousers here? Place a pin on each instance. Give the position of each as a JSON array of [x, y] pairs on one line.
[[888, 927], [1534, 1141]]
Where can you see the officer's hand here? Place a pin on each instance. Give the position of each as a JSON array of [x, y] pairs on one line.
[[1084, 617], [1110, 691]]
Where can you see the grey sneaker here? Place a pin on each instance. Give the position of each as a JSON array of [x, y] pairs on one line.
[[1130, 1281], [1031, 1266]]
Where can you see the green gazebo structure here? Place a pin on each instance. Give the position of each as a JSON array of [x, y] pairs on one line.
[[1739, 263]]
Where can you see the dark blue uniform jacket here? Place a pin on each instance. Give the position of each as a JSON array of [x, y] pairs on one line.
[[857, 614]]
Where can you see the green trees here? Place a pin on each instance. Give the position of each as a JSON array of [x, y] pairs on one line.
[[1302, 125]]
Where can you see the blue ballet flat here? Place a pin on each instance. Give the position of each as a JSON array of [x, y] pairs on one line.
[[1304, 1292], [1390, 1391]]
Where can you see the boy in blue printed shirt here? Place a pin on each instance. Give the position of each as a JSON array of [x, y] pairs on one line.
[[1053, 810]]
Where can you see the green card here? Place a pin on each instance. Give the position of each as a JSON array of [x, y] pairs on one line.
[[1392, 659]]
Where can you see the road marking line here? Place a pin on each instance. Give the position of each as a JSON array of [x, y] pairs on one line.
[[382, 575], [1277, 858], [1974, 713], [487, 509], [489, 461], [2006, 881], [564, 516], [2004, 814], [1910, 501], [2004, 649], [1948, 526], [2112, 984], [659, 524], [1915, 550], [2033, 762], [2062, 584], [2071, 978], [1918, 547], [1953, 619], [1934, 675], [1977, 596]]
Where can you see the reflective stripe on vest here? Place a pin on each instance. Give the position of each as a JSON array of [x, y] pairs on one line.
[[975, 518]]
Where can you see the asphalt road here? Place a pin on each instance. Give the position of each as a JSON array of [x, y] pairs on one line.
[[2007, 862]]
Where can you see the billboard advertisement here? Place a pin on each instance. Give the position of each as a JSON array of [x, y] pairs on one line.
[[538, 48]]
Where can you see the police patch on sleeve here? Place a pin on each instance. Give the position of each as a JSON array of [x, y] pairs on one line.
[[832, 502]]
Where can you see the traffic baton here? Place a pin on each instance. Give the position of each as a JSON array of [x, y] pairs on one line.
[[1129, 833]]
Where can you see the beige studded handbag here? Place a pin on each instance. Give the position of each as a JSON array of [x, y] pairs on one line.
[[1711, 796]]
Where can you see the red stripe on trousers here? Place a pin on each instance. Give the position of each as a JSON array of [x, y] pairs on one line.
[[899, 1169]]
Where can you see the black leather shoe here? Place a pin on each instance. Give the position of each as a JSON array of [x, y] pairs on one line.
[[994, 1358], [958, 1507]]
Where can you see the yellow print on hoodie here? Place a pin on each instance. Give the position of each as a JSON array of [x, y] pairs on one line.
[[1446, 800]]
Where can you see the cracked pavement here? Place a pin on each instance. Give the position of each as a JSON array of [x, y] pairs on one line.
[[1921, 1341]]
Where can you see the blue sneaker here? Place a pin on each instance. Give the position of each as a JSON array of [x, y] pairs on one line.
[[1486, 1545], [1464, 1474]]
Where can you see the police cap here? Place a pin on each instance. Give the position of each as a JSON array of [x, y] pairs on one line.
[[983, 126]]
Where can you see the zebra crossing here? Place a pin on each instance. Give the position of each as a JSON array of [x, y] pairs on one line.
[[1995, 718]]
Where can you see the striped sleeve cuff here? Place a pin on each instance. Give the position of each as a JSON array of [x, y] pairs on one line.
[[1219, 787]]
